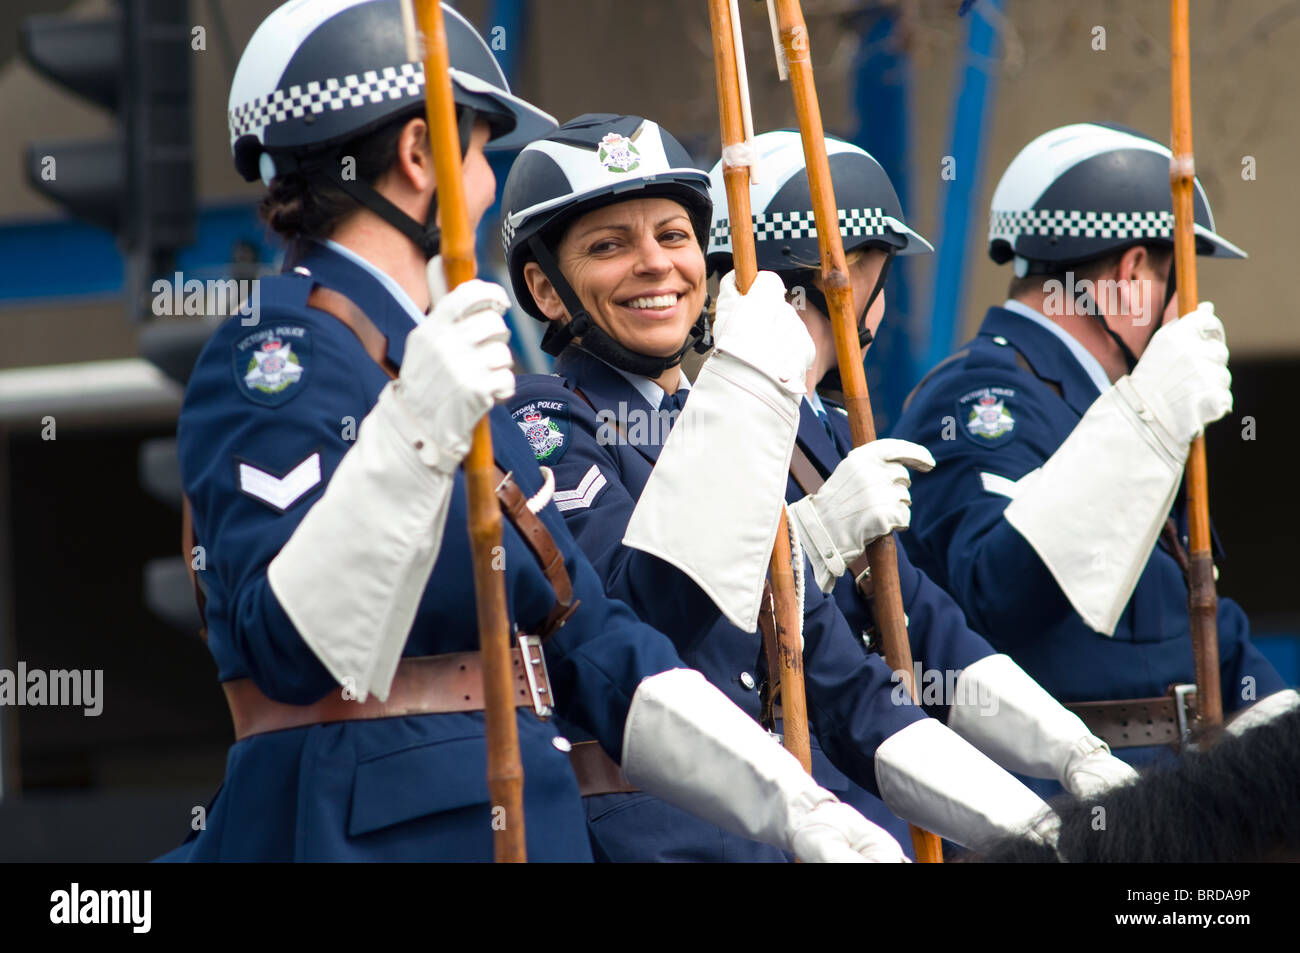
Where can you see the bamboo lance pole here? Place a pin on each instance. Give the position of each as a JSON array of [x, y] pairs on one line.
[[504, 767], [881, 554], [794, 703], [1202, 600]]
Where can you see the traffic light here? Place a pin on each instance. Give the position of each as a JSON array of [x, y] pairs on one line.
[[139, 183]]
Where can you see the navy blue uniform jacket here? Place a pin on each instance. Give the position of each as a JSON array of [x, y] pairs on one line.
[[410, 788], [959, 537], [852, 704], [940, 639]]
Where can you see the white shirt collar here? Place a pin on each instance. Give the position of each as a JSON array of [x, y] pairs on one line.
[[652, 392], [397, 291], [815, 400], [1089, 363]]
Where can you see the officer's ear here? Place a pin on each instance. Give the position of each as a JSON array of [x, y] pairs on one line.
[[413, 165], [544, 293], [1134, 265]]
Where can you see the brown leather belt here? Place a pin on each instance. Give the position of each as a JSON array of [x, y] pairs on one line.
[[1134, 722], [596, 771], [427, 685], [423, 685]]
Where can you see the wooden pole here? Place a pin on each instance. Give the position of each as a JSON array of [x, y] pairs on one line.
[[881, 554], [1202, 600], [794, 703], [504, 767]]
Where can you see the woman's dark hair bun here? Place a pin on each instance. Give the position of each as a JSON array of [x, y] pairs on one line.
[[288, 206], [298, 205]]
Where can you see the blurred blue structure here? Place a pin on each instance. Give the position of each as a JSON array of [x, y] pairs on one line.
[[907, 345], [1282, 648], [881, 98], [507, 21], [958, 196], [60, 258]]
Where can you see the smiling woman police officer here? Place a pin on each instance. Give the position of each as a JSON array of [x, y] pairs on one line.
[[604, 227], [340, 613]]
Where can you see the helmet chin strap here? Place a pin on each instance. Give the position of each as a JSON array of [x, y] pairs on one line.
[[831, 379], [582, 332], [1086, 301], [428, 236]]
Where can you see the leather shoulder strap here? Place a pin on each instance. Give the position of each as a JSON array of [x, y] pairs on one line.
[[950, 359], [340, 306], [514, 505], [1023, 363], [804, 471]]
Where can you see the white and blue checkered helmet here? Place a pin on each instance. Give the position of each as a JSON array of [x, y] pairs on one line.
[[1087, 190], [594, 160], [318, 73], [785, 232]]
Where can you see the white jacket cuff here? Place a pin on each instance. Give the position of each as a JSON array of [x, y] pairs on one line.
[[1094, 510], [713, 501], [1011, 718], [685, 742], [929, 776], [351, 576]]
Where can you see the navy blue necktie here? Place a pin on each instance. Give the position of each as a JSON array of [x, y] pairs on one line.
[[830, 431], [671, 404]]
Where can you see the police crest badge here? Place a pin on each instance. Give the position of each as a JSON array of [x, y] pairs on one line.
[[270, 364], [618, 154], [986, 418], [545, 424]]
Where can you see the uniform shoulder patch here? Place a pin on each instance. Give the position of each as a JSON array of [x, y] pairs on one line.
[[271, 364], [545, 424], [985, 415]]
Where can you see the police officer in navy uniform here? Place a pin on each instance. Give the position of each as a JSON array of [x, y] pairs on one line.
[[842, 498], [1055, 515], [328, 499], [675, 500]]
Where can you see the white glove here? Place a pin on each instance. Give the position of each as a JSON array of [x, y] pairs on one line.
[[865, 498], [1008, 716], [1092, 773], [741, 418], [456, 363], [686, 743], [1093, 511], [762, 329], [1183, 374], [351, 576], [1265, 710], [931, 777]]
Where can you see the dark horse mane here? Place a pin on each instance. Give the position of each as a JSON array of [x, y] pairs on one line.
[[1236, 799]]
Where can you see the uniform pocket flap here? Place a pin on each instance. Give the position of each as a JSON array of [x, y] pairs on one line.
[[417, 781]]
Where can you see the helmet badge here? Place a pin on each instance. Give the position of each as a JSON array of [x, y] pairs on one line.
[[618, 154]]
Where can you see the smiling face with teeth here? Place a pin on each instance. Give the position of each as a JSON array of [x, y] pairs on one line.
[[637, 267]]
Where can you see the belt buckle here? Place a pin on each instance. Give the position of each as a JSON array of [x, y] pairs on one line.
[[1184, 696], [539, 680]]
